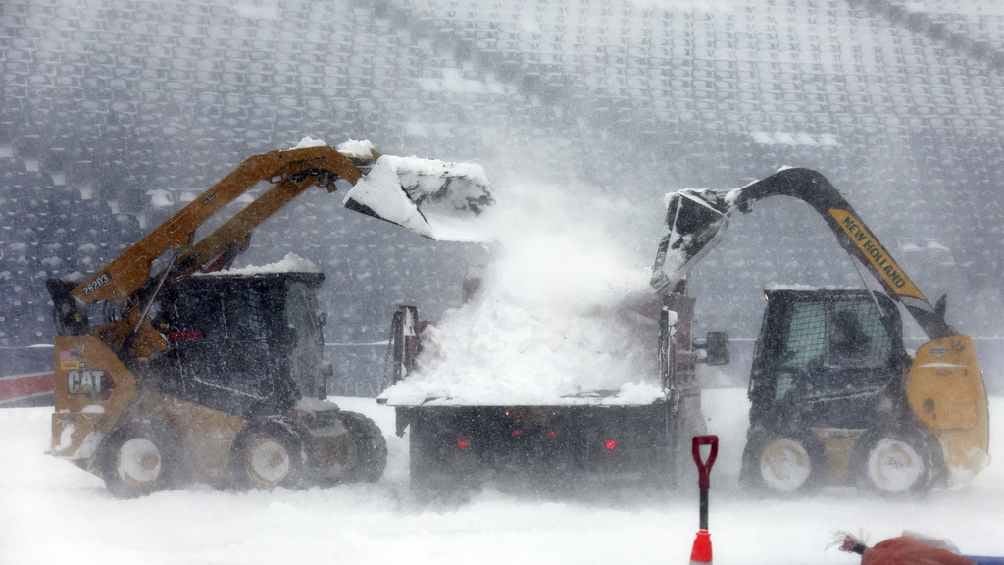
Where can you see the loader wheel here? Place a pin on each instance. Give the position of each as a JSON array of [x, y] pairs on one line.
[[370, 448], [894, 463], [139, 459], [270, 457], [788, 465]]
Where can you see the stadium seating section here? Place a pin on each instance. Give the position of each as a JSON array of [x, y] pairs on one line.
[[114, 114]]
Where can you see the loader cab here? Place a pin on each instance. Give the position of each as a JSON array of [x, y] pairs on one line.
[[243, 344], [823, 359]]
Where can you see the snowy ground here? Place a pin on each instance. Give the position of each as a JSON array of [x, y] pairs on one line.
[[51, 512]]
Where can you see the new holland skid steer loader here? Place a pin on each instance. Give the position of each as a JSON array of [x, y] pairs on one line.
[[170, 369], [835, 397]]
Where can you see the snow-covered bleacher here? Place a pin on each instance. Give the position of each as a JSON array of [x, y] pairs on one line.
[[113, 111]]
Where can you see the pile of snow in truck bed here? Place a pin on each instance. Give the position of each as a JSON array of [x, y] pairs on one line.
[[52, 512], [549, 324], [496, 351]]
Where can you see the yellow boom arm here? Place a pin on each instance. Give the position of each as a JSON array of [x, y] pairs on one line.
[[291, 171]]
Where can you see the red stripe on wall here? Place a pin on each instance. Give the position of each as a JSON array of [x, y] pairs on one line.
[[24, 385]]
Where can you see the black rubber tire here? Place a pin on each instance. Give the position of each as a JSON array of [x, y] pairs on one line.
[[904, 442], [811, 449], [157, 441], [284, 447], [370, 448]]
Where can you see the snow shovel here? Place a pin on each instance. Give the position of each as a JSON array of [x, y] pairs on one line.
[[701, 551]]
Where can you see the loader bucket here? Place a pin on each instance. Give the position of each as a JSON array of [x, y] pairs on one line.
[[696, 219], [435, 199]]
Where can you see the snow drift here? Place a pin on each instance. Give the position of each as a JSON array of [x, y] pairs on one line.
[[52, 512]]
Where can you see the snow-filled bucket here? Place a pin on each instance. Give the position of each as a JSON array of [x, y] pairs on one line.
[[436, 199], [696, 219]]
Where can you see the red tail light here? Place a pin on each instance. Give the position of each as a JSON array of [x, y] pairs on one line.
[[463, 442], [610, 445], [551, 434], [517, 433]]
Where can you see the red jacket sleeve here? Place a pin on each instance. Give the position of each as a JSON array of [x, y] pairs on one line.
[[910, 551]]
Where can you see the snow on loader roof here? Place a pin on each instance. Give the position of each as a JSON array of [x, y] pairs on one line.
[[290, 263]]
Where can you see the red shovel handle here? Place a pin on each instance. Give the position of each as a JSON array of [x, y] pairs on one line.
[[704, 467]]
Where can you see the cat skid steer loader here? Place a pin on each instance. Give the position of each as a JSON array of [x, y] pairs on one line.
[[835, 397], [194, 373]]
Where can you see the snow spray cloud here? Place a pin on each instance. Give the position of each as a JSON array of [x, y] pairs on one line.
[[566, 247], [548, 320]]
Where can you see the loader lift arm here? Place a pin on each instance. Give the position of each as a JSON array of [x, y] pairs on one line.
[[291, 172], [696, 218], [128, 279]]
